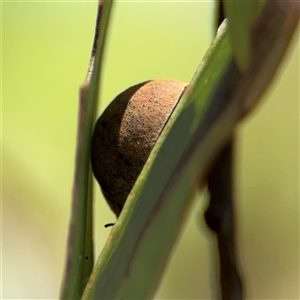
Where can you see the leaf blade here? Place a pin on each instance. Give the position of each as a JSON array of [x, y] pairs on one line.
[[241, 15], [80, 260]]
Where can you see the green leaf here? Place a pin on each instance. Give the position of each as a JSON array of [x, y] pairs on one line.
[[241, 15], [80, 260], [217, 99]]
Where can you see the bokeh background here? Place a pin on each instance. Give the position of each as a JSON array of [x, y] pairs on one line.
[[45, 53]]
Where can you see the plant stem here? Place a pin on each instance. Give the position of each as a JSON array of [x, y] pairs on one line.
[[220, 214], [220, 218]]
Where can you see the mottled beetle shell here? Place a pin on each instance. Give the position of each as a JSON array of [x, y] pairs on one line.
[[125, 134]]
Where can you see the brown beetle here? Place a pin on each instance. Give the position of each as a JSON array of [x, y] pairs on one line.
[[125, 134]]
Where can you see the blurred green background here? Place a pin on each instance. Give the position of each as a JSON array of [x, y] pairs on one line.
[[45, 53]]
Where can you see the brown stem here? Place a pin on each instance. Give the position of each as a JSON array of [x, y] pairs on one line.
[[220, 218], [220, 214]]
